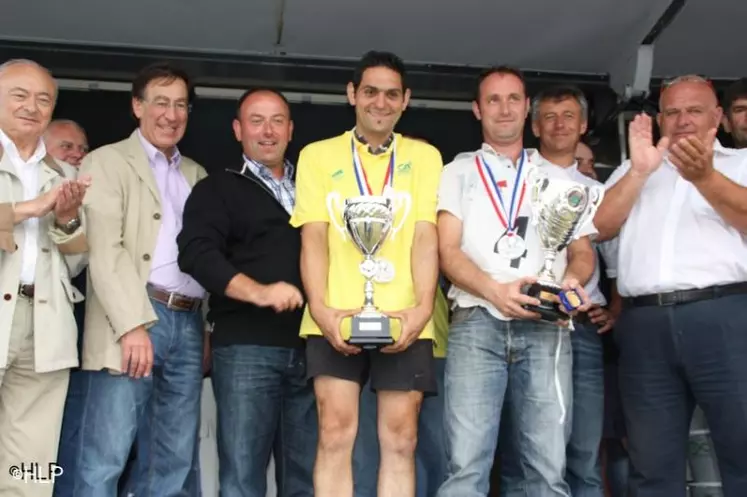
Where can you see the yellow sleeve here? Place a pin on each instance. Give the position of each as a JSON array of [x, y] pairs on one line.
[[426, 185], [311, 192]]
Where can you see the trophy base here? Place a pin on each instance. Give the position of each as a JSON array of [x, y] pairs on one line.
[[551, 297], [370, 331]]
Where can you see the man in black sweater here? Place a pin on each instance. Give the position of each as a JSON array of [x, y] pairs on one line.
[[238, 243]]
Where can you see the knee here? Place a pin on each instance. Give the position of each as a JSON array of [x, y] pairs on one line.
[[399, 435], [337, 430]]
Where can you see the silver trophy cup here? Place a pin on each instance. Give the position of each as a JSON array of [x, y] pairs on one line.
[[368, 221], [560, 208]]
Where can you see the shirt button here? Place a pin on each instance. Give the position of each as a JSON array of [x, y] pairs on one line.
[[156, 216], [7, 296], [146, 257], [45, 250]]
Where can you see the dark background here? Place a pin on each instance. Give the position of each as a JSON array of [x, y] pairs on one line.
[[209, 139]]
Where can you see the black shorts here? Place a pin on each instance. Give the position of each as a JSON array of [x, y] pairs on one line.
[[411, 370]]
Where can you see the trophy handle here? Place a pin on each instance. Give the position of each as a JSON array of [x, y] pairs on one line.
[[399, 200], [334, 201], [536, 182], [596, 194]]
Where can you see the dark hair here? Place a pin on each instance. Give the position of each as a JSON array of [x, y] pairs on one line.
[[558, 94], [734, 92], [505, 70], [379, 59], [260, 89], [160, 70]]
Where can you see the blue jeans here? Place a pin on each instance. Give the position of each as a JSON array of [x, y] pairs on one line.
[[584, 427], [264, 401], [583, 465], [118, 407], [430, 454], [671, 358], [617, 467], [527, 361], [69, 450]]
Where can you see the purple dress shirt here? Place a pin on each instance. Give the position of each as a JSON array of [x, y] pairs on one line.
[[174, 190]]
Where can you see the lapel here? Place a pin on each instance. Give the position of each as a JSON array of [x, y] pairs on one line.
[[141, 165], [189, 173], [48, 173]]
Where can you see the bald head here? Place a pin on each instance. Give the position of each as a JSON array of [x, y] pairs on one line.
[[27, 99], [66, 141], [688, 106]]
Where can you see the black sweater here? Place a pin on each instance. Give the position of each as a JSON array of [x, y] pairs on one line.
[[234, 224]]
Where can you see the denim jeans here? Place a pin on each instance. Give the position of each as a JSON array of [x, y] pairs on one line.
[[583, 465], [528, 362], [118, 407], [263, 402], [430, 454], [671, 358], [584, 425]]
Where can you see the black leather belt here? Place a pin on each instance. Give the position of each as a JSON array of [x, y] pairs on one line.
[[685, 296], [172, 300], [26, 291]]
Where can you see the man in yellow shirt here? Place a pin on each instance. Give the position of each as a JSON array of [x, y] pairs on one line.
[[369, 160]]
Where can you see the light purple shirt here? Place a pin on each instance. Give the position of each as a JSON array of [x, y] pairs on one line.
[[174, 190]]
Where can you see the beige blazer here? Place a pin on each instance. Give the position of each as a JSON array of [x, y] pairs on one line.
[[59, 258], [123, 210]]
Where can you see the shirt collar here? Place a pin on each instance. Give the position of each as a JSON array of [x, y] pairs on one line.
[[378, 150], [264, 172], [532, 153], [11, 149], [153, 153], [538, 159]]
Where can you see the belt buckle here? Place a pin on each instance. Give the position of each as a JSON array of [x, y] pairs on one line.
[[661, 302], [170, 302]]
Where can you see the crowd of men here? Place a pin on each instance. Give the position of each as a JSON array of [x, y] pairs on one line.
[[245, 274]]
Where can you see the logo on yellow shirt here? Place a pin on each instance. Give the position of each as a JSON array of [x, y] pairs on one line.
[[404, 168]]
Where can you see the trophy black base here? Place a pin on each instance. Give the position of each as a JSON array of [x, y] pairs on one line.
[[548, 294], [370, 331]]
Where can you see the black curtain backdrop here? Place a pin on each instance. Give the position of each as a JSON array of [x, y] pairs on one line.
[[105, 115]]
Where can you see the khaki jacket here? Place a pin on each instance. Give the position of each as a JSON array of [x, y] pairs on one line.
[[123, 210], [60, 257]]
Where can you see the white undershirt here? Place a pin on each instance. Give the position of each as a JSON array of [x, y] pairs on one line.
[[28, 173]]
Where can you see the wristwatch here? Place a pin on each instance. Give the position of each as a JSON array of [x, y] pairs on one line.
[[69, 227]]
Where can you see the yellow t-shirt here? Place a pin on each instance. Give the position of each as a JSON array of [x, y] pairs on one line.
[[440, 324], [325, 169]]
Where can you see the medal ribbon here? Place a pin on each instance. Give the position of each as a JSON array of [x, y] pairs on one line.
[[508, 220], [360, 173]]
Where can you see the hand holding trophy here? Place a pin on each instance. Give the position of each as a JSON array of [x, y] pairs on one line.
[[560, 208], [368, 221]]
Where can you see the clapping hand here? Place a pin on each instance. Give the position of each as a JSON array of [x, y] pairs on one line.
[[693, 157], [645, 158], [69, 199]]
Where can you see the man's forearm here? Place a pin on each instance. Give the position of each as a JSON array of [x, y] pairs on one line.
[[315, 263], [464, 273], [424, 262], [617, 204], [581, 261], [242, 288], [727, 198], [23, 211]]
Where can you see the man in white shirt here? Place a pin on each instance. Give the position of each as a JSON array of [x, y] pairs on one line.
[[680, 208], [496, 347], [42, 244], [559, 118]]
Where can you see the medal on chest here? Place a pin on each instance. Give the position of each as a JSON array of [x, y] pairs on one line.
[[510, 245]]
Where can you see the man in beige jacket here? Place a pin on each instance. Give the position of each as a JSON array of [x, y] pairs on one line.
[[143, 337], [42, 244]]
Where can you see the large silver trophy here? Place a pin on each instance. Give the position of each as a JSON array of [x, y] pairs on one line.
[[560, 209], [368, 221]]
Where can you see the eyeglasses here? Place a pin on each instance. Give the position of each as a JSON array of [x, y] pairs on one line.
[[165, 105]]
